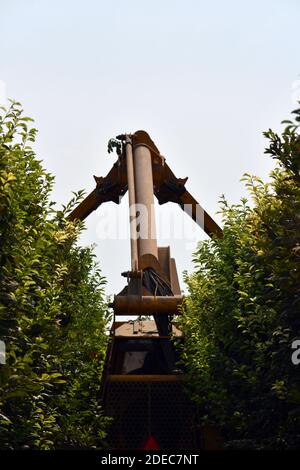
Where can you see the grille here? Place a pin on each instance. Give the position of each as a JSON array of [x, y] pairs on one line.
[[139, 409]]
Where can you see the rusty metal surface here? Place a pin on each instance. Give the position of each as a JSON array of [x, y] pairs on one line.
[[205, 222], [175, 286], [164, 260], [141, 137], [140, 328], [132, 202], [110, 188], [146, 305], [144, 198]]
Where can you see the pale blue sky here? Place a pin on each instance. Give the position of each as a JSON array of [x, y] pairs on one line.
[[203, 78]]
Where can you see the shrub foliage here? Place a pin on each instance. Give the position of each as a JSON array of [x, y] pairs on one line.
[[243, 308], [52, 307]]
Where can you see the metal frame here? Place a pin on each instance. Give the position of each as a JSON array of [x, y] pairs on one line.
[[143, 171]]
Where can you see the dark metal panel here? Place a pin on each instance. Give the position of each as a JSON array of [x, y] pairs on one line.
[[158, 408]]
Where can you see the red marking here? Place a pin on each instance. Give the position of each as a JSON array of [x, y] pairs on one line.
[[150, 444]]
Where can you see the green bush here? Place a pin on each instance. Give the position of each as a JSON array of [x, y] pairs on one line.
[[243, 309], [52, 307]]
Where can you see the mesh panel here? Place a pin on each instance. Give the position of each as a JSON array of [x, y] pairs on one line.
[[139, 409]]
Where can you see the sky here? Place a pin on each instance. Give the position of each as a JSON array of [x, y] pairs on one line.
[[204, 79]]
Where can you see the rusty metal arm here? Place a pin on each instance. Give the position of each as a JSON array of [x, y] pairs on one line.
[[199, 215], [169, 188], [146, 304], [110, 188]]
